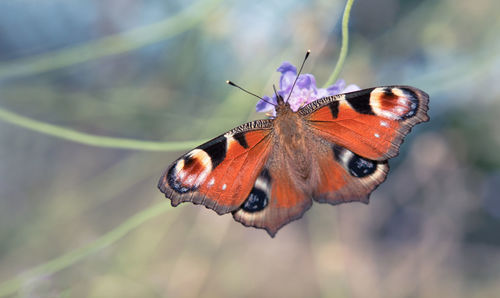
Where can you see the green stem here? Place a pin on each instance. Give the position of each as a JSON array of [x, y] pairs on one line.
[[110, 45], [11, 286], [345, 44], [93, 140]]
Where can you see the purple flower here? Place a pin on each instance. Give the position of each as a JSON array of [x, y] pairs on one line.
[[304, 92]]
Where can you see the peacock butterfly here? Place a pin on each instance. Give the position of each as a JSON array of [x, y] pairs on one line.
[[268, 172]]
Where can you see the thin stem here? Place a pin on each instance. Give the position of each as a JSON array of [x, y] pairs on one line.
[[93, 140], [11, 286], [345, 44]]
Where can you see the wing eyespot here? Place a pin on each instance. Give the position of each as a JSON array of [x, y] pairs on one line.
[[190, 171], [356, 165], [175, 183], [256, 201], [396, 103], [361, 167]]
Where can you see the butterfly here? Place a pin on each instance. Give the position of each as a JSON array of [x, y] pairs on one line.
[[268, 172]]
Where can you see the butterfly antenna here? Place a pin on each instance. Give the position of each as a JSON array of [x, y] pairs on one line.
[[279, 98], [298, 74], [251, 93]]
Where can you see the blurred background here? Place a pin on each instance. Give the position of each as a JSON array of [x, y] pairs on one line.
[[79, 220]]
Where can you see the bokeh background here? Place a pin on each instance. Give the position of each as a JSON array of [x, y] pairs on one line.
[[79, 220]]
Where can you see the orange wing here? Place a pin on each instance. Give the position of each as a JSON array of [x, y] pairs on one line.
[[347, 177], [220, 173], [336, 176], [274, 201], [372, 122]]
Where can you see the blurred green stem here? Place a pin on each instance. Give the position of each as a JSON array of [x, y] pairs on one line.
[[110, 45], [345, 44], [11, 286], [93, 140]]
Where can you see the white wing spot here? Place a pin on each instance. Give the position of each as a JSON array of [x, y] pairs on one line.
[[377, 135], [384, 124], [346, 156], [229, 140], [388, 114], [224, 186], [211, 182]]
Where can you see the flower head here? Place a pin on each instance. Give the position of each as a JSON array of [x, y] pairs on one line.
[[304, 92]]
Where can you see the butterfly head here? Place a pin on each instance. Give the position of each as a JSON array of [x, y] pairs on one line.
[[283, 106]]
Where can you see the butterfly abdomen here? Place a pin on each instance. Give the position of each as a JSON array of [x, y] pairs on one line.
[[294, 145]]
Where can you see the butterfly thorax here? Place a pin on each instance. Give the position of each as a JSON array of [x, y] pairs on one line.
[[291, 139], [288, 126]]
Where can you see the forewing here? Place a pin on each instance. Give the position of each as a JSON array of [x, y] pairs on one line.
[[220, 173], [371, 122]]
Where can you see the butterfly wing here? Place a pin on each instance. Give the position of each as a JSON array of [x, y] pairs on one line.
[[220, 173], [274, 201], [363, 129], [371, 122], [283, 191], [347, 177]]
